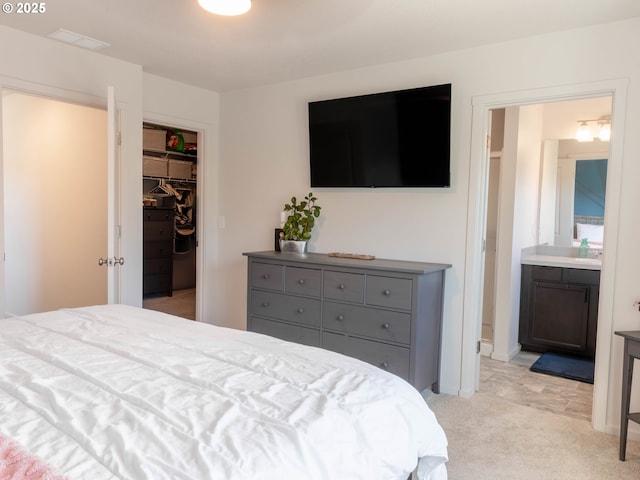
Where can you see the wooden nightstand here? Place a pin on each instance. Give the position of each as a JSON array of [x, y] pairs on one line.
[[631, 352]]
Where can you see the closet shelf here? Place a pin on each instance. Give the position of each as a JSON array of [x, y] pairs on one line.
[[170, 154], [192, 181]]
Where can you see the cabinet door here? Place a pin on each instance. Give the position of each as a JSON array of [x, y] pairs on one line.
[[560, 315]]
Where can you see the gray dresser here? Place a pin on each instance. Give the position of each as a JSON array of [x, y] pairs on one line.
[[384, 312]]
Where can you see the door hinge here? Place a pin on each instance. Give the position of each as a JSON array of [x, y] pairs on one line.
[[119, 138], [478, 347]]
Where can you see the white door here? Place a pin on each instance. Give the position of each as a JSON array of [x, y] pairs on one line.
[[59, 203], [114, 260]]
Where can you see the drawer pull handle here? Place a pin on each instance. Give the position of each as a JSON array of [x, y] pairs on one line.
[[301, 310], [385, 326], [265, 304], [341, 286], [301, 281], [387, 293], [384, 364], [266, 276], [340, 318]]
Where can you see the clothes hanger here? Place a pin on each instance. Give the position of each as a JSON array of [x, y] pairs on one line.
[[161, 190]]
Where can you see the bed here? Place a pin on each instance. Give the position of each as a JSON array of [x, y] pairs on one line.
[[115, 391]]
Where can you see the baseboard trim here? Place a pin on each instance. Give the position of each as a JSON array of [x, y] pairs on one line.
[[633, 433], [486, 348], [505, 358]]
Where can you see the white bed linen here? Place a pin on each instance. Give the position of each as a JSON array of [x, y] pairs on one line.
[[120, 392]]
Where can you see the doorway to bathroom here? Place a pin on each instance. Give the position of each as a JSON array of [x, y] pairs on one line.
[[506, 336], [540, 192]]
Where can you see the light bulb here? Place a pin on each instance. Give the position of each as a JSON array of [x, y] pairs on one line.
[[583, 134], [605, 132]]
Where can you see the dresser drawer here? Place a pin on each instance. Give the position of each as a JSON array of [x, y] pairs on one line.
[[388, 292], [388, 357], [285, 331], [304, 281], [158, 265], [157, 231], [300, 310], [348, 287], [155, 215], [157, 283], [370, 322], [267, 275], [157, 249]]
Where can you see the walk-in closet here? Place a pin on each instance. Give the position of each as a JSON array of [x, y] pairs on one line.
[[170, 160]]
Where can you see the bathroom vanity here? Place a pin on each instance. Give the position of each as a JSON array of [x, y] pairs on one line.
[[559, 304]]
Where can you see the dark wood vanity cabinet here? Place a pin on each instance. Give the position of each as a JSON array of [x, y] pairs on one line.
[[559, 310]]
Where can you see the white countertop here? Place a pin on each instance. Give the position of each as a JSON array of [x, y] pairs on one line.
[[558, 261]]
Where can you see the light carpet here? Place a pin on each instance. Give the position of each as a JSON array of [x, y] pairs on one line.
[[492, 438]]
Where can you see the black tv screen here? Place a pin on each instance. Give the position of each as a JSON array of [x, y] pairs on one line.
[[390, 139]]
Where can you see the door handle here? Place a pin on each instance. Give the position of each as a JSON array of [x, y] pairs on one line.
[[111, 261]]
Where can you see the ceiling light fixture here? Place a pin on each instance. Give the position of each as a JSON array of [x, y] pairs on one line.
[[226, 7], [584, 133]]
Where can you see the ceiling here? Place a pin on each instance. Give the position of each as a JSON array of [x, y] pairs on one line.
[[279, 40]]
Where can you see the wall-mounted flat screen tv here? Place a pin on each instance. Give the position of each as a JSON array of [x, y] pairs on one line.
[[390, 139]]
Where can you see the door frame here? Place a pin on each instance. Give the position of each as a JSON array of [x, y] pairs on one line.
[[201, 192], [67, 96], [474, 269]]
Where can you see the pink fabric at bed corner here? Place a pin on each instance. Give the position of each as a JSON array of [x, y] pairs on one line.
[[18, 464]]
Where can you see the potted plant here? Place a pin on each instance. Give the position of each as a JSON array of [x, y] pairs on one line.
[[301, 218]]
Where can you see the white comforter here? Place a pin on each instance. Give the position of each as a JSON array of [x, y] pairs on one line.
[[119, 392]]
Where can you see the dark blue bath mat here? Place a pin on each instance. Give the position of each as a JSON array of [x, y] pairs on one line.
[[575, 368]]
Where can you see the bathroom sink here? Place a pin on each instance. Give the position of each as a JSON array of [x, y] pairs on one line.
[[592, 261], [560, 261]]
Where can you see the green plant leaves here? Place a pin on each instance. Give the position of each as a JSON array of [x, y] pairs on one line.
[[301, 219]]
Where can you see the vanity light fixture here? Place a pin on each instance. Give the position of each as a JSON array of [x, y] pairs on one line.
[[226, 7], [605, 132], [584, 133]]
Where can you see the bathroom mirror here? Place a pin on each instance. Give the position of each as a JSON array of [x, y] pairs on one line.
[[573, 193]]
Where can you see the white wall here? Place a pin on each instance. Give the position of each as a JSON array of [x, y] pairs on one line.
[[517, 219], [506, 234], [264, 160], [55, 162], [526, 205]]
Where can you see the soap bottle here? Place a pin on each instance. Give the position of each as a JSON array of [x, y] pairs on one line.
[[583, 249]]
